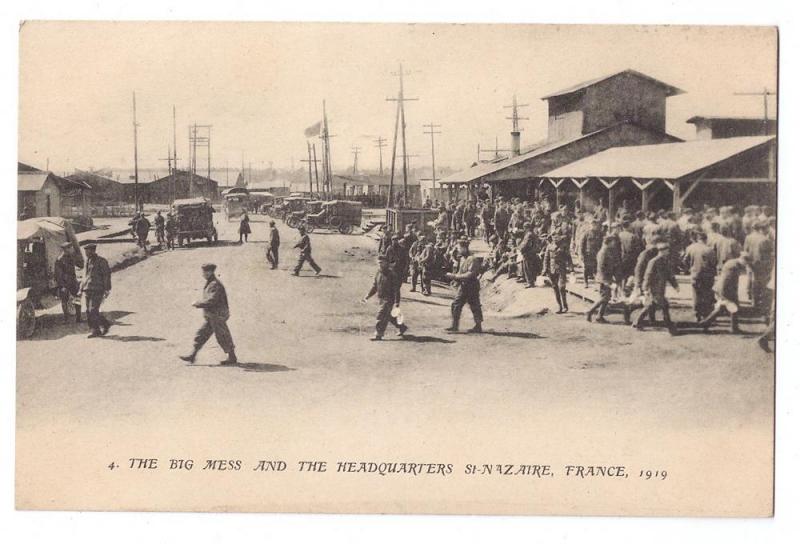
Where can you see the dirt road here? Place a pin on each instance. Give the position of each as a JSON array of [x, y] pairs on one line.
[[551, 389]]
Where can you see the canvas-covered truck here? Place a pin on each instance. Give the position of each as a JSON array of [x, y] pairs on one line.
[[195, 218], [39, 243]]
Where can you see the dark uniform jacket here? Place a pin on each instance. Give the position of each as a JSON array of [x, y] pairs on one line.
[[701, 261], [97, 275], [64, 273], [607, 264], [469, 268], [657, 275], [304, 245], [590, 244], [759, 247], [642, 261], [274, 237], [384, 286], [630, 246], [215, 300]]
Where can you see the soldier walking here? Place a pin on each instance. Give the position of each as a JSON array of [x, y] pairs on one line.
[[304, 245], [215, 315], [607, 267], [273, 245], [67, 281], [469, 287], [701, 261], [171, 229], [97, 286], [727, 291], [384, 285], [656, 277]]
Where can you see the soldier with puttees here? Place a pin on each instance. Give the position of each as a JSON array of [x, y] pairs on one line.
[[304, 245]]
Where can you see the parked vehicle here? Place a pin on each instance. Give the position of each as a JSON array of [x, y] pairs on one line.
[[290, 205], [341, 215], [295, 218], [235, 202], [38, 246], [195, 218]]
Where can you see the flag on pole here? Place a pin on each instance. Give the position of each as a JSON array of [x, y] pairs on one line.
[[313, 130]]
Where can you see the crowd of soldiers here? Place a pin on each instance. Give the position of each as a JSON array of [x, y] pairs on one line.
[[166, 229], [630, 259]]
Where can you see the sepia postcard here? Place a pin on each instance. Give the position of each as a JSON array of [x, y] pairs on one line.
[[396, 268]]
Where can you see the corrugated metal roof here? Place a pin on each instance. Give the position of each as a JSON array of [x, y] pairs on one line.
[[698, 118], [660, 161], [672, 91], [31, 181]]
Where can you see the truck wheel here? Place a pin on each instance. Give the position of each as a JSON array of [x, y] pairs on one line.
[[26, 319], [180, 241], [343, 229], [309, 228]]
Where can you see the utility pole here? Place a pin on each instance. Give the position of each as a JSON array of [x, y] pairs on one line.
[[496, 149], [432, 130], [515, 119], [766, 93], [316, 171], [171, 162], [203, 139], [309, 161], [401, 100], [174, 157], [135, 157], [327, 169], [380, 143], [355, 150]]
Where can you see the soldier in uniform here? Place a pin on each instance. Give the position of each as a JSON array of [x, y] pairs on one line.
[[304, 245], [556, 265], [467, 276], [656, 277], [159, 222], [215, 315], [171, 229], [727, 289], [589, 246], [416, 268], [428, 259], [67, 281], [759, 247], [273, 245], [607, 268], [97, 286], [142, 227], [701, 261], [384, 285]]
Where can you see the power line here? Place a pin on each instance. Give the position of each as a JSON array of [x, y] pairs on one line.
[[432, 130]]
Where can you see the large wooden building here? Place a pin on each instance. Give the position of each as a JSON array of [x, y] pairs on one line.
[[621, 109], [179, 185]]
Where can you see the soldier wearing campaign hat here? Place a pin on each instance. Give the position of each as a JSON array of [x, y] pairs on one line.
[[215, 316]]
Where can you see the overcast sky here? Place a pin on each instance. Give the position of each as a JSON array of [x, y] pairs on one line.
[[261, 84]]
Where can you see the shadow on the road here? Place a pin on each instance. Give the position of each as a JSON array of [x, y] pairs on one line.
[[425, 301], [132, 338], [427, 339], [301, 275], [512, 334], [252, 367], [52, 326]]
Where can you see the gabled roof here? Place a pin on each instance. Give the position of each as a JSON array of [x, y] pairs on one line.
[[671, 91], [484, 169], [31, 181], [661, 161]]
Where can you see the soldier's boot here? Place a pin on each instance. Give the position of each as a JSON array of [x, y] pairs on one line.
[[190, 357], [78, 314], [735, 323], [564, 299], [626, 313], [477, 329], [454, 326], [601, 313], [231, 360]]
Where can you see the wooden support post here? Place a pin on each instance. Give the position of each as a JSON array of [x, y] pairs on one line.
[[611, 203], [645, 198], [676, 196]]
